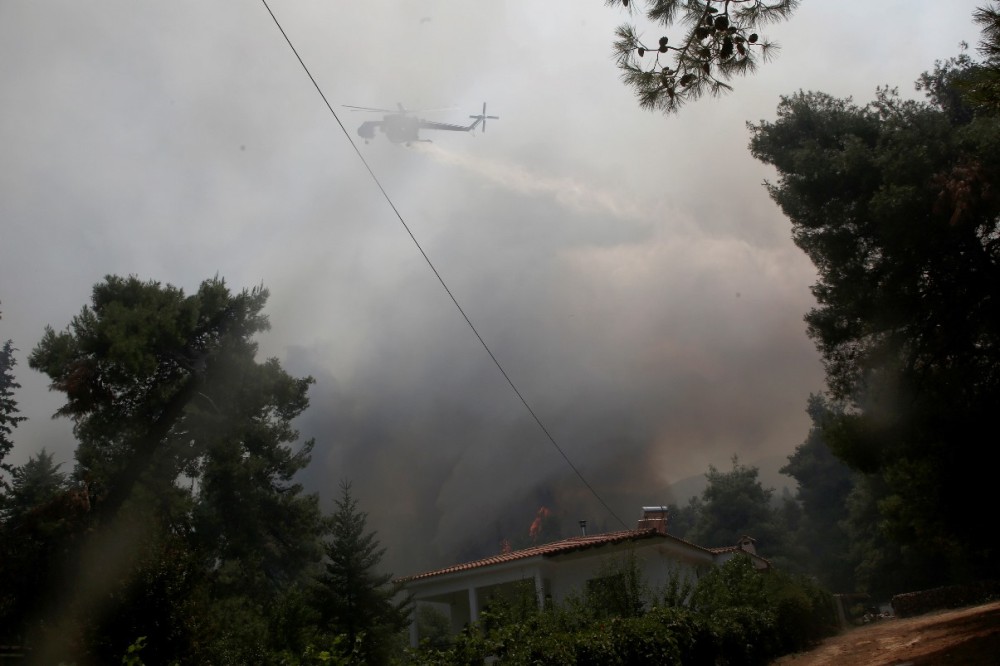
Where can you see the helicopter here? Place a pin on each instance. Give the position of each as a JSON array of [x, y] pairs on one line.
[[400, 126]]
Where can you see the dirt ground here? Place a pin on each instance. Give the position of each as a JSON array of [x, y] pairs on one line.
[[968, 636]]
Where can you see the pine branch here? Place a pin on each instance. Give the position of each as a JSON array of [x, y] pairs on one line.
[[721, 42]]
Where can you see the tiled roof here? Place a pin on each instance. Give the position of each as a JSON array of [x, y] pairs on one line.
[[738, 549], [545, 550], [725, 549]]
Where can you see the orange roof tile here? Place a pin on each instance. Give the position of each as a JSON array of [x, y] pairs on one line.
[[545, 550], [568, 546]]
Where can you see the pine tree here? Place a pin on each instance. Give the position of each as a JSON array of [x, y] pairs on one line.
[[36, 515], [35, 483], [895, 204], [8, 405], [188, 453], [355, 599]]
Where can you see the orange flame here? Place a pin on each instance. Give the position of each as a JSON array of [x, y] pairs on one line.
[[536, 525]]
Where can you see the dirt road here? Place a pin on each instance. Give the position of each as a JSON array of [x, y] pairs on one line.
[[967, 636]]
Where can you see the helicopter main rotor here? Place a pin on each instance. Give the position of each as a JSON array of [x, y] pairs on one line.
[[399, 109]]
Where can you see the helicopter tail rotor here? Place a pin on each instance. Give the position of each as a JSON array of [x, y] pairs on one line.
[[482, 119]]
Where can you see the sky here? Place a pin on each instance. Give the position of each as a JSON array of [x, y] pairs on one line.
[[627, 270]]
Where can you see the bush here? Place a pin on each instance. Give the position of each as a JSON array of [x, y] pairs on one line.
[[804, 612], [745, 635], [784, 612]]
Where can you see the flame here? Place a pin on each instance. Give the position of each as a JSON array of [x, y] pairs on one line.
[[536, 525], [505, 547]]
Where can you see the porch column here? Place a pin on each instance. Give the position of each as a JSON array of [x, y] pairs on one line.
[[414, 634], [473, 605]]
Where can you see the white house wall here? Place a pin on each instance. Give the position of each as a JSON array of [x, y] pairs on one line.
[[657, 561], [558, 577]]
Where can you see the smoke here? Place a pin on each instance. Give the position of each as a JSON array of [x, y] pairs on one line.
[[571, 194], [447, 461]]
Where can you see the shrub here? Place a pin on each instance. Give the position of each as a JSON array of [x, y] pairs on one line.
[[745, 635], [804, 612]]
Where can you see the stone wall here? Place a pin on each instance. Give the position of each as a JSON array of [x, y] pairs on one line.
[[954, 596]]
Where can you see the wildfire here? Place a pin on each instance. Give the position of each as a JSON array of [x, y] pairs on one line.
[[536, 525]]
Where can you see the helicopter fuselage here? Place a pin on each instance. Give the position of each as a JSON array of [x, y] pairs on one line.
[[401, 128], [405, 128]]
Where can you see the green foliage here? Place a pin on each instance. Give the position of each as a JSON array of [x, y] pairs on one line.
[[745, 634], [337, 653], [136, 360], [676, 591], [131, 656], [736, 583], [618, 590], [894, 203], [352, 596], [35, 483], [433, 626], [684, 518], [735, 504], [509, 603], [183, 523], [805, 612], [981, 87], [721, 41], [774, 613], [37, 515], [824, 484], [9, 418]]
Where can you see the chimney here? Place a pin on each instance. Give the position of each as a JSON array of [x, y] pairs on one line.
[[655, 518], [583, 528]]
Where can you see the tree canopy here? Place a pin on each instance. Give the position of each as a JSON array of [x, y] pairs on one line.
[[734, 504], [824, 484], [192, 522], [182, 535], [894, 202]]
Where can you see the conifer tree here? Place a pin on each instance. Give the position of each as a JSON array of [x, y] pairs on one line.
[[356, 600], [8, 406], [33, 520]]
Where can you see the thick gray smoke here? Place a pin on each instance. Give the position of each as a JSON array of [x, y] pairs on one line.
[[627, 270], [639, 382]]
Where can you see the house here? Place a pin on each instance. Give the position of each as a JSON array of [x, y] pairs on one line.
[[562, 568]]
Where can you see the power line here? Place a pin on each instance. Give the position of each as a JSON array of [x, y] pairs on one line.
[[438, 275]]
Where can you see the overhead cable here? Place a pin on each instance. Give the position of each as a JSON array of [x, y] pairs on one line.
[[440, 279]]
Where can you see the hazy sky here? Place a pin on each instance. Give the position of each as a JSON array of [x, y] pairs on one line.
[[628, 269]]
